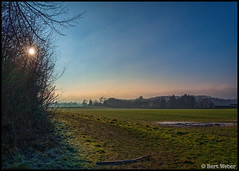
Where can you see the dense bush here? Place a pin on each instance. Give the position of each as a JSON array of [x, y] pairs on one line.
[[27, 87], [27, 79]]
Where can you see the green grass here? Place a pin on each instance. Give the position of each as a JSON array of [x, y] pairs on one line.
[[200, 115], [120, 134]]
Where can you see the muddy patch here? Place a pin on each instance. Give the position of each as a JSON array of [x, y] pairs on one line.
[[193, 124]]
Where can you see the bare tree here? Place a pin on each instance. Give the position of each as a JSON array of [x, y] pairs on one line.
[[28, 80], [84, 103], [102, 99]]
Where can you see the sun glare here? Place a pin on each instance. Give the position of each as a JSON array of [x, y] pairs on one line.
[[31, 51]]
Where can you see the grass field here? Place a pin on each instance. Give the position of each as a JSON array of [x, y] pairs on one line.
[[103, 134]]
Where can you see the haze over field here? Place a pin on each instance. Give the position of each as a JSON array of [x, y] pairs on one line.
[[126, 50]]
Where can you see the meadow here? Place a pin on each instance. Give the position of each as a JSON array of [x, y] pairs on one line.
[[106, 134]]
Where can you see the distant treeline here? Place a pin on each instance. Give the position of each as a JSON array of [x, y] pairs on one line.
[[161, 102], [169, 102]]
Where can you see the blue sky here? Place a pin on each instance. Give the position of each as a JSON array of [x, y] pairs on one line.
[[129, 49]]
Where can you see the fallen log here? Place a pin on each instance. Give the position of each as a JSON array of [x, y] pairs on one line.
[[122, 161]]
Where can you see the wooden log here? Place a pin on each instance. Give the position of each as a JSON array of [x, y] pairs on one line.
[[122, 161]]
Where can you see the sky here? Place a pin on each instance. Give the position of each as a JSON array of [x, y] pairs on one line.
[[131, 49]]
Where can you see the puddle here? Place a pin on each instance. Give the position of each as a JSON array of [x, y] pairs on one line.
[[194, 124]]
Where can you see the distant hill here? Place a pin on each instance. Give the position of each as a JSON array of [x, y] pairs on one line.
[[214, 100], [223, 102], [172, 102]]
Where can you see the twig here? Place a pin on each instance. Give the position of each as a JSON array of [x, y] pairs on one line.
[[122, 161]]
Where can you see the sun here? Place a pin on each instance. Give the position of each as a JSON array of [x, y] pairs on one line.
[[31, 51]]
